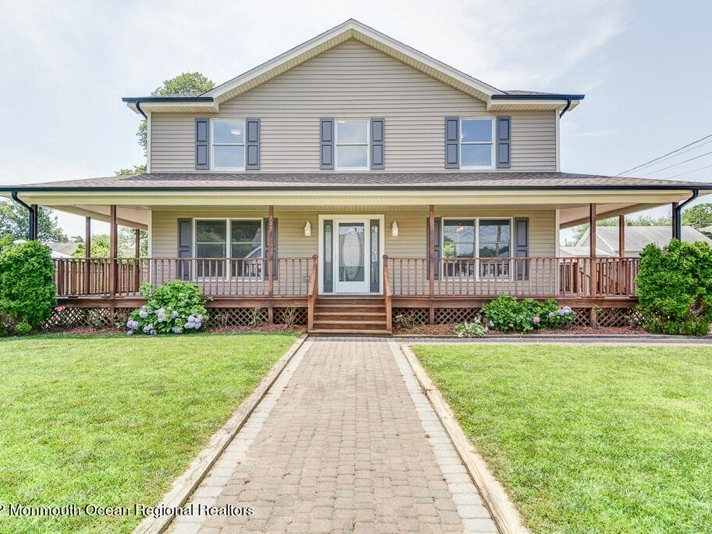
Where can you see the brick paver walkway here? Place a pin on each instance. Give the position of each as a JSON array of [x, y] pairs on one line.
[[343, 442]]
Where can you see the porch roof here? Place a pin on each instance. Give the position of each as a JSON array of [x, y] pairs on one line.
[[495, 181], [569, 193]]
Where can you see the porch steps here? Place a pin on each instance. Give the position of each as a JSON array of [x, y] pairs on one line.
[[350, 315]]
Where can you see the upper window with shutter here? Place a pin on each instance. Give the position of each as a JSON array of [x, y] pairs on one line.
[[477, 143], [352, 144], [234, 144]]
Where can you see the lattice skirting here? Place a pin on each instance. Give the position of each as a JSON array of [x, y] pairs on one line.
[[72, 317], [606, 317]]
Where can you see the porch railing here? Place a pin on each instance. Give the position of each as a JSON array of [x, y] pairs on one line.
[[86, 277], [538, 277]]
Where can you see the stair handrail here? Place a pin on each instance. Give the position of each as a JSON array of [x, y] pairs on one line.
[[311, 293], [387, 294]]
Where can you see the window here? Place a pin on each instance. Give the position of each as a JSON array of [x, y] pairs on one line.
[[245, 240], [472, 246], [352, 144], [228, 144], [476, 146]]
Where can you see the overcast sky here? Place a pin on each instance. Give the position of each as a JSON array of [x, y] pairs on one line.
[[644, 67]]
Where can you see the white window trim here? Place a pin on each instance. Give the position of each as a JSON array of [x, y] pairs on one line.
[[213, 144], [476, 257], [337, 167], [493, 154], [228, 242]]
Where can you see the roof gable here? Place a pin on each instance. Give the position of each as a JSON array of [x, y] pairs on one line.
[[496, 99]]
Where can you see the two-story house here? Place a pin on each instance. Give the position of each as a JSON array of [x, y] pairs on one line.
[[353, 179]]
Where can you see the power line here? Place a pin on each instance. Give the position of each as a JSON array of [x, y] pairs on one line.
[[663, 158], [676, 164], [664, 155], [689, 172]]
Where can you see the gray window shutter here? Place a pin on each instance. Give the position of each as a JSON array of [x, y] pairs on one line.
[[327, 144], [275, 263], [504, 142], [185, 247], [202, 144], [452, 142], [521, 247], [438, 245], [252, 144], [378, 162]]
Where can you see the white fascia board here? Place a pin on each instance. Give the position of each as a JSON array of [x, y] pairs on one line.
[[351, 198], [515, 104], [180, 107]]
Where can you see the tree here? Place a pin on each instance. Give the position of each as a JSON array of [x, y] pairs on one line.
[[127, 244], [697, 216], [641, 220], [138, 169], [185, 83], [15, 223]]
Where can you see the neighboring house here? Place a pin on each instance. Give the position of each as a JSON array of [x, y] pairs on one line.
[[637, 238], [64, 249], [353, 166]]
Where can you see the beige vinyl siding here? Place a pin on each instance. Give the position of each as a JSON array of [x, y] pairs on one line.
[[354, 80], [411, 241]]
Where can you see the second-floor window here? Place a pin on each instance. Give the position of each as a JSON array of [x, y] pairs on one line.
[[476, 144], [228, 144], [352, 144]]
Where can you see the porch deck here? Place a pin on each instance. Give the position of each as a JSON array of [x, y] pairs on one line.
[[282, 285]]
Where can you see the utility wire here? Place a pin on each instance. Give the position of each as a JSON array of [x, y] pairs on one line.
[[689, 172], [676, 164], [664, 155], [664, 159]]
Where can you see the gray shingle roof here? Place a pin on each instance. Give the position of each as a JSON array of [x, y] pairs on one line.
[[365, 180]]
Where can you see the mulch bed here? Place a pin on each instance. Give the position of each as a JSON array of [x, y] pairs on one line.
[[448, 330], [108, 331]]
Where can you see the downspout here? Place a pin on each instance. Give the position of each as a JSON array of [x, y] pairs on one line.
[[32, 214], [677, 216], [138, 107], [568, 105]]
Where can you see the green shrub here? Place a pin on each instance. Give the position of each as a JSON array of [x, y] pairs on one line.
[[173, 307], [27, 290], [674, 287], [506, 313]]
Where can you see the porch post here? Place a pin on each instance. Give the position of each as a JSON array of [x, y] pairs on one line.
[[34, 223], [675, 227], [270, 262], [592, 253], [137, 261], [113, 250], [87, 255], [431, 259]]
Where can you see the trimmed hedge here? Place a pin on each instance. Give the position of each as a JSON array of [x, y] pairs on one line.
[[27, 289], [675, 288]]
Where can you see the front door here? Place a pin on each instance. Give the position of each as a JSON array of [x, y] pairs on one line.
[[350, 261], [350, 251]]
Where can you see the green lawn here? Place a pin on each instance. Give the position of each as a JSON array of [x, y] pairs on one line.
[[112, 421], [589, 439]]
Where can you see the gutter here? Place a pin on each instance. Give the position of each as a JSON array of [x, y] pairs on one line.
[[568, 105], [677, 215], [32, 232], [138, 107]]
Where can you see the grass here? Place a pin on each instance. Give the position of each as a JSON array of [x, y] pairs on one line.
[[112, 421], [589, 439]]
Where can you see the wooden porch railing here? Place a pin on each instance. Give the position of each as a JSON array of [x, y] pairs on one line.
[[311, 293], [87, 277], [387, 295], [538, 277]]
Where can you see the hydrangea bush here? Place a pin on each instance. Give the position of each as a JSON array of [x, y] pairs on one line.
[[506, 313], [175, 307]]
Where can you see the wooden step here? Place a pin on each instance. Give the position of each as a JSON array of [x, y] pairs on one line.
[[344, 332], [334, 308], [350, 315]]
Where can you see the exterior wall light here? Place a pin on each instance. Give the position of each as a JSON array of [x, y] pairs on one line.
[[394, 229], [307, 229]]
